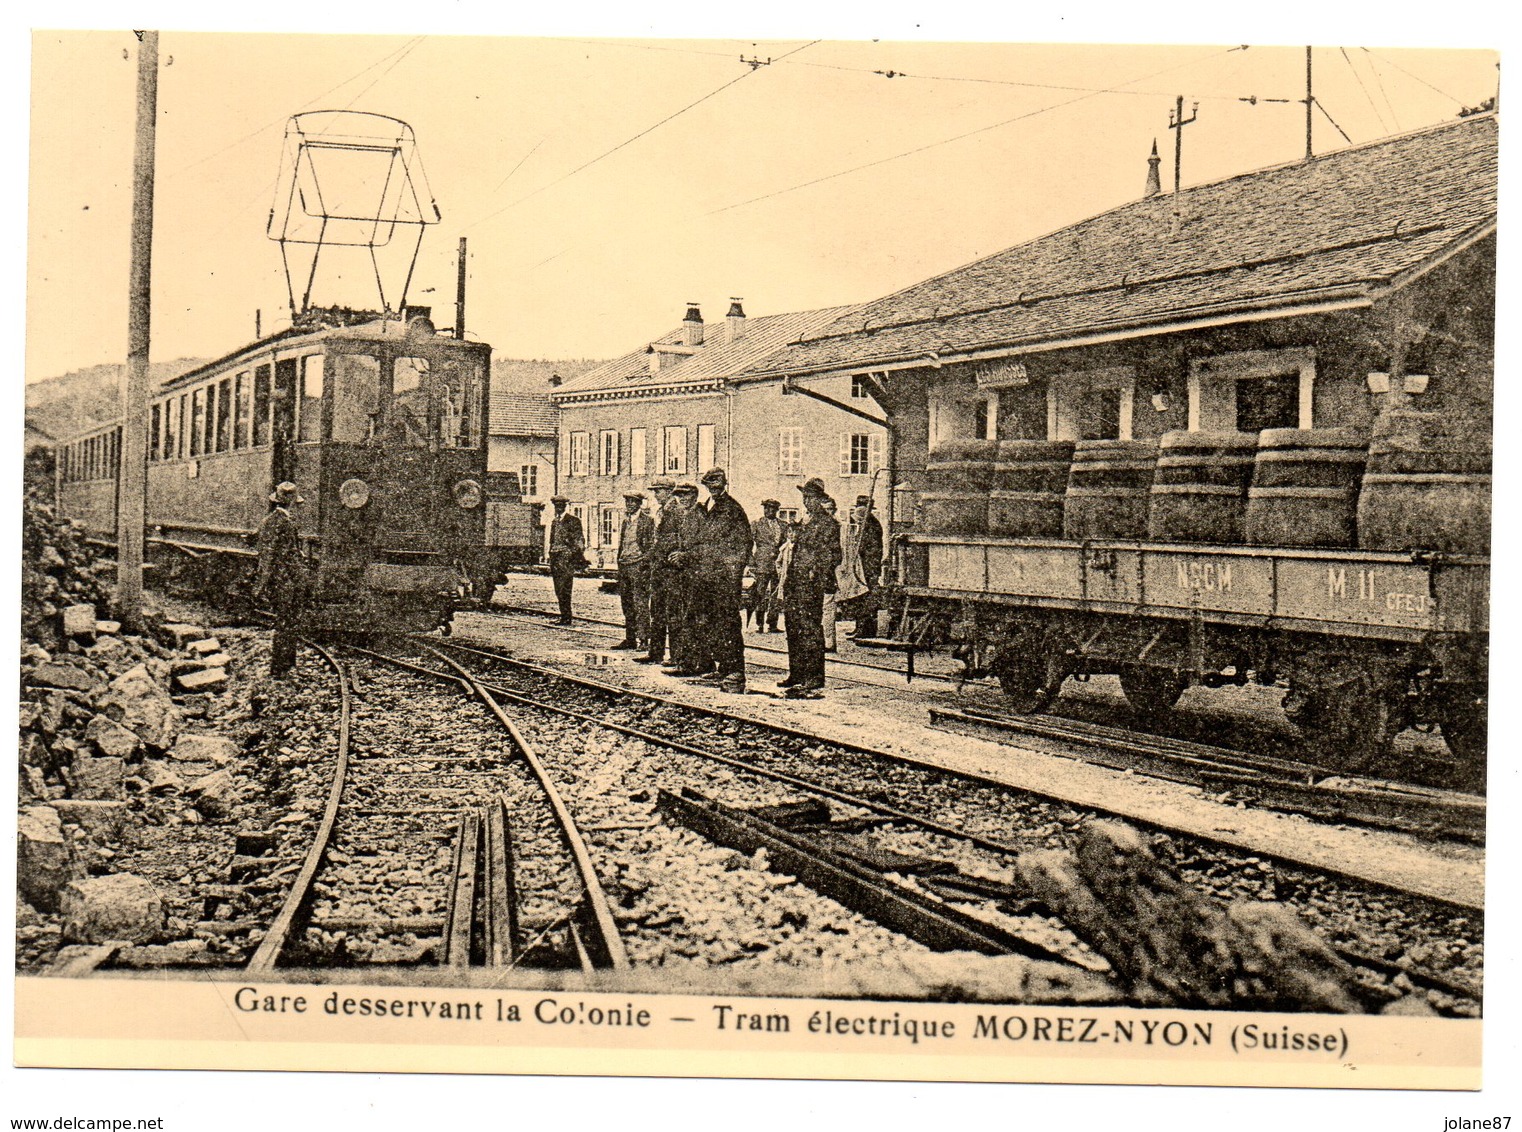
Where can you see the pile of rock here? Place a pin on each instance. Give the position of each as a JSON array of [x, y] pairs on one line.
[[58, 569], [105, 748]]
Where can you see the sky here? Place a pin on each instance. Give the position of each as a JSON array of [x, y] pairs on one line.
[[603, 183]]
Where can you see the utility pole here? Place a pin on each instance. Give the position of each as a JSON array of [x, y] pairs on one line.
[[1310, 105], [1176, 123], [132, 471], [459, 295]]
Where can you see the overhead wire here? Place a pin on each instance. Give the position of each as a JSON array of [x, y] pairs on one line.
[[1327, 115], [413, 42], [1418, 78], [962, 136], [627, 141], [1361, 86], [1380, 82]]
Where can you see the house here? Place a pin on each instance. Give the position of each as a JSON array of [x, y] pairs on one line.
[[686, 401], [521, 456], [1303, 295]]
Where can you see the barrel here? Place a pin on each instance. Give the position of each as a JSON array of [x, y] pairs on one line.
[[1426, 486], [1108, 489], [961, 465], [1029, 487], [1305, 485], [1200, 491]]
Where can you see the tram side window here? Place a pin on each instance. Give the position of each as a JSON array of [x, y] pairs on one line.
[[244, 400], [224, 414], [197, 422], [309, 421], [262, 405], [409, 402], [171, 433], [155, 432], [356, 398]]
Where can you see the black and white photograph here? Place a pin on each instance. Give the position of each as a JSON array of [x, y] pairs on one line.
[[704, 556]]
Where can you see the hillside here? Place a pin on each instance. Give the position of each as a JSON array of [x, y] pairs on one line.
[[532, 375]]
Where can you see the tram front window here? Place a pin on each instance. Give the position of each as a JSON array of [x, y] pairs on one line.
[[409, 402], [356, 397], [459, 403]]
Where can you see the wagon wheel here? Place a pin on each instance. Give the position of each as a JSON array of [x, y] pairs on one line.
[[1464, 715], [1348, 724], [1152, 691], [1030, 679]]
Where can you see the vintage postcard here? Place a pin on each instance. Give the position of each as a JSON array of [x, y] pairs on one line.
[[845, 559]]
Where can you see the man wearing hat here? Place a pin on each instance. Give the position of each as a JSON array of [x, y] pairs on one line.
[[661, 579], [766, 540], [282, 580], [810, 575], [690, 655], [725, 550], [867, 539], [636, 540], [567, 553]]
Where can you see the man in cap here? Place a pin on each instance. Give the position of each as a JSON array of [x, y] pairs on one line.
[[567, 553], [867, 541], [810, 576], [636, 540], [661, 579], [725, 550], [684, 606], [282, 579], [766, 535]]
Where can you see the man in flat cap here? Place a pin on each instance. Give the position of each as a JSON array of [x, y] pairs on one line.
[[567, 553], [766, 535], [810, 575], [725, 551], [690, 655], [636, 540], [867, 551], [282, 579], [662, 580]]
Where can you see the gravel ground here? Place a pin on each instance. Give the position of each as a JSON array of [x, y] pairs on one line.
[[1402, 930]]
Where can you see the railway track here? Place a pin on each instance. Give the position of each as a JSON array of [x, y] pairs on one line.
[[1274, 782], [439, 851], [913, 782]]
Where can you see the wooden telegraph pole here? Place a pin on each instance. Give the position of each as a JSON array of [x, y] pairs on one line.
[[132, 472], [1176, 123]]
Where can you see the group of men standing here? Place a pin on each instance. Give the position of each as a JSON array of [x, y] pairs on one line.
[[681, 577]]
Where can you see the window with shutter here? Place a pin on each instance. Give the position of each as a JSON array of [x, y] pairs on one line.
[[636, 451]]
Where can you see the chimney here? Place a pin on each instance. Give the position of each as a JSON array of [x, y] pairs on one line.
[[692, 326], [1154, 182], [734, 322]]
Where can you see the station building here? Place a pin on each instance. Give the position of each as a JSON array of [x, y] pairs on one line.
[[688, 400], [1305, 295]]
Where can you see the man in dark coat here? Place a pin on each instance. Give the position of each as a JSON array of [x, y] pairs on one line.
[[686, 605], [766, 535], [636, 539], [869, 551], [282, 580], [567, 554], [724, 551], [810, 574], [662, 580]]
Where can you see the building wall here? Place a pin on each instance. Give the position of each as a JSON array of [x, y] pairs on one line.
[[747, 424], [515, 454]]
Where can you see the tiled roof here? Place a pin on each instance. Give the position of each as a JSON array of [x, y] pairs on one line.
[[522, 414], [1340, 225], [716, 360]]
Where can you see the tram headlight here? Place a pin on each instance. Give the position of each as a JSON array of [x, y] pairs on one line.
[[354, 494], [467, 493]]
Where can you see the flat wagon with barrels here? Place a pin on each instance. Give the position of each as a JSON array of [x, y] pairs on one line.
[[377, 419], [1354, 570]]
